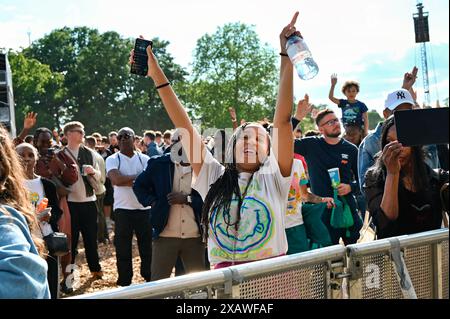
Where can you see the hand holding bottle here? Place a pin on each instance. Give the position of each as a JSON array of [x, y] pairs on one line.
[[287, 32], [299, 53]]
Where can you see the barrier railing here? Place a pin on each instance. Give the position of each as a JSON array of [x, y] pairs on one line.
[[375, 275], [356, 271], [305, 275]]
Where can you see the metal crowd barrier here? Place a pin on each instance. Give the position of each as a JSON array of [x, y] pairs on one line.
[[305, 275], [357, 271], [424, 255]]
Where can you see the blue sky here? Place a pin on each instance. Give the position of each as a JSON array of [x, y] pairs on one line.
[[368, 41]]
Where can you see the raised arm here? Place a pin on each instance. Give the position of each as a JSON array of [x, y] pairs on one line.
[[28, 123], [284, 141], [233, 118], [409, 79], [333, 85], [192, 143]]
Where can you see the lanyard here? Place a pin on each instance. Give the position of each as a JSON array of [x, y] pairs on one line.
[[240, 201], [242, 197]]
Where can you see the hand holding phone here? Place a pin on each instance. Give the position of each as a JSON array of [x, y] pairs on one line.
[[139, 64], [45, 215]]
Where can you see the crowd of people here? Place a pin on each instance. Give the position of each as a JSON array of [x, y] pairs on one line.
[[194, 202]]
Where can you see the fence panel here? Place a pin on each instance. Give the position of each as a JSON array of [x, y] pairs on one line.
[[426, 258], [317, 274]]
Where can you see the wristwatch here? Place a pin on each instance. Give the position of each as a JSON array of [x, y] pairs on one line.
[[189, 199]]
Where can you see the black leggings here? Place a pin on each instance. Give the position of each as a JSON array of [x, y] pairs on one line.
[[52, 275]]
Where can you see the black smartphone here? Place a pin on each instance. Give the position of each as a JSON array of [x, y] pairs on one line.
[[51, 152], [140, 66], [422, 127]]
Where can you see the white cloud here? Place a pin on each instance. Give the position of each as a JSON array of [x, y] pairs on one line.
[[345, 37]]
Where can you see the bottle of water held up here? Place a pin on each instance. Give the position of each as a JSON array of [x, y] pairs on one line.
[[301, 58]]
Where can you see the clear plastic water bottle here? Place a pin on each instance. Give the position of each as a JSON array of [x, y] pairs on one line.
[[301, 58]]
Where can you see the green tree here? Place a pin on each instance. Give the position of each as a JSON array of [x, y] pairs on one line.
[[232, 68], [38, 89], [374, 119]]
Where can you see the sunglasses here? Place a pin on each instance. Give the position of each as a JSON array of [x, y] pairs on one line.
[[331, 122], [78, 131], [124, 137]]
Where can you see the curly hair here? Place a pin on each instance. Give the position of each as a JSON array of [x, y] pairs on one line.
[[12, 192], [348, 84]]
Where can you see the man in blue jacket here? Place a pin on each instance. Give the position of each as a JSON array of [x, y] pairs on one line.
[[152, 148], [176, 209]]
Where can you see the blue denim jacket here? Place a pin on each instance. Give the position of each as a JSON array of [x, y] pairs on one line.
[[23, 273], [368, 148], [153, 150], [371, 145]]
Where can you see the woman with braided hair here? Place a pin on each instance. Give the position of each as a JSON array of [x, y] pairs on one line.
[[244, 199], [23, 271]]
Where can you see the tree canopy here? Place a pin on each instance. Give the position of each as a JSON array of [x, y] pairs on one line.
[[232, 68], [81, 74]]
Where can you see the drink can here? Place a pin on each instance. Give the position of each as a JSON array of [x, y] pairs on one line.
[[335, 177]]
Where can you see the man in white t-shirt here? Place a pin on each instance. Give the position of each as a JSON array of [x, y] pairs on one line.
[[130, 216]]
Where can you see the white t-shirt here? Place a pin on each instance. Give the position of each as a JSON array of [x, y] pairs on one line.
[[37, 194], [78, 189], [261, 232], [294, 215], [124, 197]]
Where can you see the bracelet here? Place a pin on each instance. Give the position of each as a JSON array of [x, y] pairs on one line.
[[163, 85], [283, 54]]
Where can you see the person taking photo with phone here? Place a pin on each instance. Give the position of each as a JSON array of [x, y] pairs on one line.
[[402, 191], [41, 189]]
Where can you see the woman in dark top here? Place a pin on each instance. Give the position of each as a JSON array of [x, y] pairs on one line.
[[403, 193]]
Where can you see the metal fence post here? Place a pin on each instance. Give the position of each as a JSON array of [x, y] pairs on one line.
[[437, 271]]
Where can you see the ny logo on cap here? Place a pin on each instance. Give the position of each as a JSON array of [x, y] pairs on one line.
[[401, 95]]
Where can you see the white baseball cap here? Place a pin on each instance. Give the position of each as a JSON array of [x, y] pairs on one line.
[[396, 98]]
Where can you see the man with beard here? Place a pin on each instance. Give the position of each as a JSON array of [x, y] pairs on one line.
[[330, 151]]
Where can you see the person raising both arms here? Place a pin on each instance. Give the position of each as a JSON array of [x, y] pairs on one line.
[[354, 112]]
